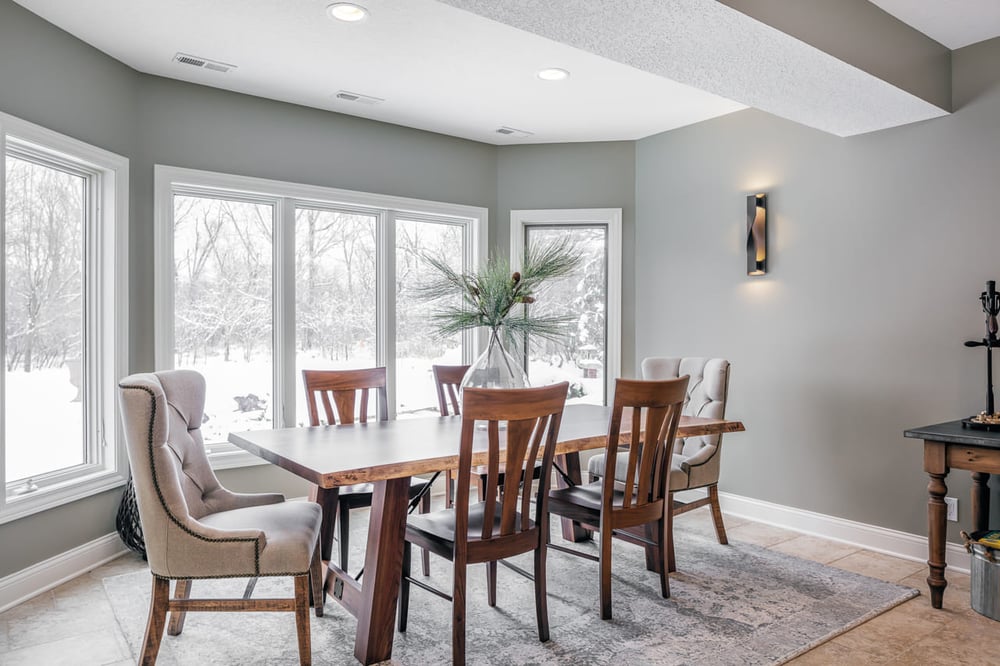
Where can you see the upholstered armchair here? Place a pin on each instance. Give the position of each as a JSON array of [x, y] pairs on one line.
[[195, 528], [696, 460]]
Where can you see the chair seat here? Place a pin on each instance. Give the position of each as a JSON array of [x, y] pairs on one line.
[[439, 526], [290, 531], [360, 494], [678, 471]]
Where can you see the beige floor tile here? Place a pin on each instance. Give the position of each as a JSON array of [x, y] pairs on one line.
[[877, 565], [96, 647], [815, 549], [760, 534]]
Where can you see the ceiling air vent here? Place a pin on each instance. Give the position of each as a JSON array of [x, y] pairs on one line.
[[203, 63], [348, 96], [511, 131]]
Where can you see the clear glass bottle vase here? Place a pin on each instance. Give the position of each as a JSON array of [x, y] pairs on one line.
[[496, 367]]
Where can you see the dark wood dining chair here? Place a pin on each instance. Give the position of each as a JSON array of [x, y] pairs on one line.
[[337, 391], [447, 379], [500, 526], [623, 509]]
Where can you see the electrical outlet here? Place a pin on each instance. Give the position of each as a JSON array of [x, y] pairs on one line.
[[952, 503]]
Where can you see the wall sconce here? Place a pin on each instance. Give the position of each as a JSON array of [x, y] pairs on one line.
[[757, 234]]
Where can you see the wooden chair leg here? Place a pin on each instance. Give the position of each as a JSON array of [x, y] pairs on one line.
[[491, 583], [182, 590], [344, 518], [302, 619], [458, 613], [665, 523], [158, 605], [605, 566], [425, 507], [541, 598], [317, 594], [404, 589], [720, 528], [671, 561]]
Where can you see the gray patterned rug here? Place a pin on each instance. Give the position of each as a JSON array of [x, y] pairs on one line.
[[736, 604]]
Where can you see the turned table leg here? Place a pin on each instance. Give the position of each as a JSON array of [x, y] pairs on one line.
[[936, 527]]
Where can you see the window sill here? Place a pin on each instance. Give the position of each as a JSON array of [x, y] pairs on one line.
[[233, 458], [21, 506]]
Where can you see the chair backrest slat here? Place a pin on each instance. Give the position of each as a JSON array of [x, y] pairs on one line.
[[343, 386], [525, 422], [655, 413], [447, 379]]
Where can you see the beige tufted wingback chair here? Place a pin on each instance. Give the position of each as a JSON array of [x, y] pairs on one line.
[[696, 460], [194, 528]]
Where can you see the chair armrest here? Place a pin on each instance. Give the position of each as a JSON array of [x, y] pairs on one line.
[[699, 458], [256, 499]]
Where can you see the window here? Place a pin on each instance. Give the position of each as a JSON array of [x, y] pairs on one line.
[[63, 228], [589, 358], [258, 280]]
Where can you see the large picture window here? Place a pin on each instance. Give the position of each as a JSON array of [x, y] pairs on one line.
[[62, 225], [258, 280], [589, 357]]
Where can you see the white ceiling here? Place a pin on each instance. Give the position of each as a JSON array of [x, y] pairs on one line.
[[467, 73], [953, 23]]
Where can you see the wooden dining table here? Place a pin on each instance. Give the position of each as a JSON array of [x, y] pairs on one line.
[[387, 454]]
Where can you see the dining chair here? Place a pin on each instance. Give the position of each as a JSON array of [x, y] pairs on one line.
[[448, 379], [696, 461], [194, 528], [338, 391], [525, 422], [619, 509]]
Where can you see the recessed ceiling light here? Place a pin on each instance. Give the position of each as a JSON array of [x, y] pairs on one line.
[[347, 11], [553, 74]]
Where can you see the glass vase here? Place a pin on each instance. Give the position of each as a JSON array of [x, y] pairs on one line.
[[496, 368]]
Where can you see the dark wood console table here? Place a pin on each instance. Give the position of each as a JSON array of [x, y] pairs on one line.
[[947, 446]]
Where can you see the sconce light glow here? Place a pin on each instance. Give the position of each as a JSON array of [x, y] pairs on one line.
[[347, 11], [757, 234], [553, 74]]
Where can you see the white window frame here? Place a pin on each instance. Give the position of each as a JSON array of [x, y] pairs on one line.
[[611, 218], [286, 197], [105, 315]]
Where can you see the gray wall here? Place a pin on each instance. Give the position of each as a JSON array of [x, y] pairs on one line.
[[51, 78], [574, 175], [879, 247], [54, 80]]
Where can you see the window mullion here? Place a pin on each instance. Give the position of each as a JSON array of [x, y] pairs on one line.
[[284, 313], [3, 314], [385, 321]]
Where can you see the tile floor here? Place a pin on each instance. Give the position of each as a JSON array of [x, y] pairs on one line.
[[74, 623]]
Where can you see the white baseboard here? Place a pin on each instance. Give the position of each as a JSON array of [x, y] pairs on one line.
[[879, 539], [43, 576]]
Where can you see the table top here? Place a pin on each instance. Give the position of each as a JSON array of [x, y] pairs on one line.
[[332, 456], [953, 432]]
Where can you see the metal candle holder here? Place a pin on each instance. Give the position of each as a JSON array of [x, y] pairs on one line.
[[990, 299]]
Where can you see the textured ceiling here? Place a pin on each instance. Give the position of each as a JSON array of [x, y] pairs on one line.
[[954, 23], [707, 45]]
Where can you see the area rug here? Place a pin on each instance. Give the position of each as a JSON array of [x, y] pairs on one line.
[[735, 604]]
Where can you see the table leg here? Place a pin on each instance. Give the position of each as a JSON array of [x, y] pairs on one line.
[[327, 499], [936, 529], [980, 501], [383, 564], [570, 463]]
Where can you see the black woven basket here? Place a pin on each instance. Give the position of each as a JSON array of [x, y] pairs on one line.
[[127, 521]]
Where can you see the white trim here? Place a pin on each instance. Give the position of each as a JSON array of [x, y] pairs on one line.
[[38, 578], [870, 537], [107, 250], [612, 218]]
